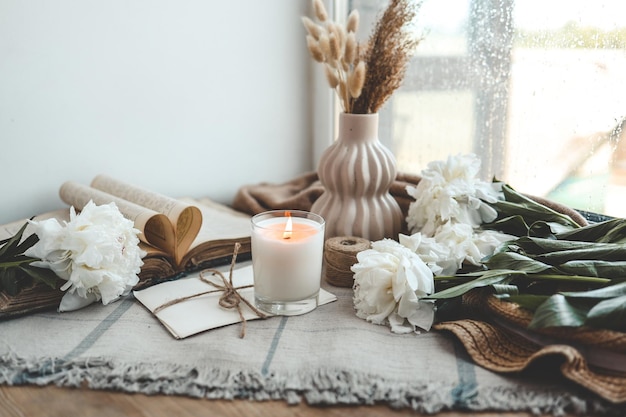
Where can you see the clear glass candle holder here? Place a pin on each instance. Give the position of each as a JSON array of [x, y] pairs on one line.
[[287, 256]]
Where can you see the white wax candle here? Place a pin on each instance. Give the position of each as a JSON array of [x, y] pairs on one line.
[[287, 267]]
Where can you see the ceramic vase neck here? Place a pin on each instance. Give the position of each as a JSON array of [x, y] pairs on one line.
[[358, 127]]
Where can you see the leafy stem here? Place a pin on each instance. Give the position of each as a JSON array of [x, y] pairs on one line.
[[16, 269], [16, 262]]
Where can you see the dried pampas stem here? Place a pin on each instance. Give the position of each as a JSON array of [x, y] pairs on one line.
[[390, 48]]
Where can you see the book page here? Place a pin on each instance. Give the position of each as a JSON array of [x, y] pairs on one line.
[[220, 222], [185, 218], [159, 203], [155, 228]]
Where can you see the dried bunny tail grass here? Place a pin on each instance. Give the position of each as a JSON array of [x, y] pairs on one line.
[[353, 21], [324, 44], [387, 56], [331, 76], [338, 31], [312, 28], [341, 34], [320, 10], [335, 48], [351, 49], [314, 49], [356, 80]]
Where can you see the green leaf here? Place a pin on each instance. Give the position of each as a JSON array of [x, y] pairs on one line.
[[443, 282], [27, 243], [16, 271], [610, 231], [532, 211], [516, 261], [484, 279], [16, 261], [512, 225], [542, 229], [10, 247], [616, 235], [609, 314], [505, 289], [546, 230], [44, 275], [528, 301], [614, 270], [536, 245], [557, 311], [9, 281], [612, 291], [601, 252], [571, 279]]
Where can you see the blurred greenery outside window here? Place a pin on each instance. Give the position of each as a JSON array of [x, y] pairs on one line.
[[536, 88]]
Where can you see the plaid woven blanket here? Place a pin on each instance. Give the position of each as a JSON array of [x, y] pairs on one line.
[[328, 356]]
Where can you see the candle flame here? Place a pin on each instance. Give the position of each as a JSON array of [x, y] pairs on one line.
[[288, 227]]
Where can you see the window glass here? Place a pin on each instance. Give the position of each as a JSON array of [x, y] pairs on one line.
[[536, 88]]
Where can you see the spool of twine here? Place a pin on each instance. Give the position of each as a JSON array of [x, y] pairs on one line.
[[339, 255]]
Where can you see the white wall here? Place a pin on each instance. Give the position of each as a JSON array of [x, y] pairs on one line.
[[187, 98]]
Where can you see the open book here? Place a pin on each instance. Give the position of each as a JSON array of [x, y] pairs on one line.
[[177, 235]]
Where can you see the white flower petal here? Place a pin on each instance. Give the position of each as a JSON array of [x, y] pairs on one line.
[[424, 316], [399, 325], [72, 301]]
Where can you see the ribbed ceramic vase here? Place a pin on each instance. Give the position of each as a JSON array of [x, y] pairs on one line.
[[357, 171]]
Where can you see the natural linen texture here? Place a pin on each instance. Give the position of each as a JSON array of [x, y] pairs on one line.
[[328, 356]]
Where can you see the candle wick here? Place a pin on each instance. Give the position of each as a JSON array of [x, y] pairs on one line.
[[288, 229]]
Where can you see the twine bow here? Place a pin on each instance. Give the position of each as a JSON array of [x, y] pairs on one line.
[[230, 297]]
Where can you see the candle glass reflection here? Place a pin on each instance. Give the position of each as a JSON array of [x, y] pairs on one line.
[[287, 256]]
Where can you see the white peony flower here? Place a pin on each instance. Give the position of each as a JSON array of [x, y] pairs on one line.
[[468, 244], [437, 255], [450, 191], [389, 280], [96, 252], [454, 244], [484, 243]]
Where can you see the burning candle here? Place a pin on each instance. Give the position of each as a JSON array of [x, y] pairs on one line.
[[287, 255]]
